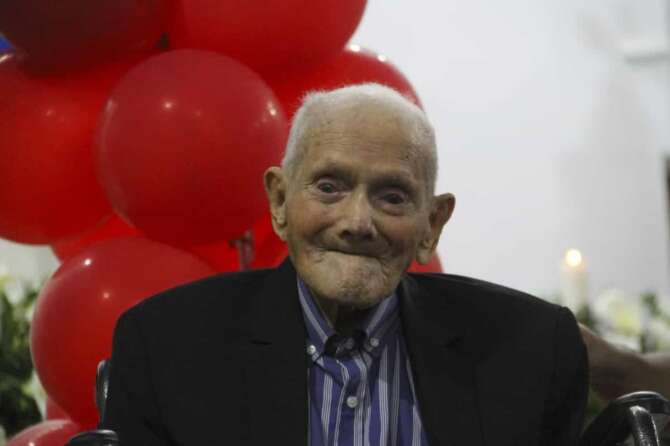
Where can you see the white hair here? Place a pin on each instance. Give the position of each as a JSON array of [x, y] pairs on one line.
[[421, 133]]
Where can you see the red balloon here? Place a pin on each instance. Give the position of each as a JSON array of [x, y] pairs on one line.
[[434, 266], [183, 144], [48, 185], [111, 227], [77, 32], [269, 250], [267, 36], [353, 65], [54, 411], [76, 312], [46, 433], [221, 256]]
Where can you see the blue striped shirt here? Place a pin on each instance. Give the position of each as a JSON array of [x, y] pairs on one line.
[[360, 388]]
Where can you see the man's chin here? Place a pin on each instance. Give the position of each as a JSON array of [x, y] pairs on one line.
[[353, 263], [350, 295]]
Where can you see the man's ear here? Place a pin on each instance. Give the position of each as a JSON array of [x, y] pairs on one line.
[[441, 210], [275, 188]]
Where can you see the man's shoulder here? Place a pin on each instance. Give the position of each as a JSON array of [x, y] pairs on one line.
[[475, 292], [489, 309], [224, 294], [496, 318]]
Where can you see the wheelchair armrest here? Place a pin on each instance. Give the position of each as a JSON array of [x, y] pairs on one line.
[[640, 415], [102, 386], [98, 437]]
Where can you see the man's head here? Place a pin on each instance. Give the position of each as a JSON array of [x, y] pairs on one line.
[[354, 196]]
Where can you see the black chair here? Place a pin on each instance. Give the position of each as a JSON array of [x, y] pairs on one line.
[[633, 419], [98, 437], [102, 386]]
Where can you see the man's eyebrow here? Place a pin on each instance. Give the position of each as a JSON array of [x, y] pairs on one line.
[[332, 169], [397, 177]]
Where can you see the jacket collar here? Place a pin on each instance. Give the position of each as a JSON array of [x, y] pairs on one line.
[[276, 364], [436, 330], [428, 318], [279, 319]]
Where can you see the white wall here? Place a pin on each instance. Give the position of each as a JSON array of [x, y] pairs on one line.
[[549, 137]]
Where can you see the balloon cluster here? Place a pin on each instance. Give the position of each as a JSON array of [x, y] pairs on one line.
[[133, 135]]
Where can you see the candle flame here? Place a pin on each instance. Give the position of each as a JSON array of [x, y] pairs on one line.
[[573, 257]]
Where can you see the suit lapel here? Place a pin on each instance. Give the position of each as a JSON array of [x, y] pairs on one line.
[[442, 365], [277, 363], [436, 336]]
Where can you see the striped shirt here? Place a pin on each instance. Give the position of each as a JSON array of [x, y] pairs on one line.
[[360, 388]]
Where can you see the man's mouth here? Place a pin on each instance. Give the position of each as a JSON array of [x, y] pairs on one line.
[[355, 253]]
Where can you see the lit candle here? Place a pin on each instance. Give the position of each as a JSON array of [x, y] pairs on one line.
[[574, 283]]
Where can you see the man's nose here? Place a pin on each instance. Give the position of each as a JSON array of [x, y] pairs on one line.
[[357, 223]]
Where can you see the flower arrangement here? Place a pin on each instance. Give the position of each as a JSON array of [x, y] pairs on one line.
[[640, 323], [19, 387], [636, 322]]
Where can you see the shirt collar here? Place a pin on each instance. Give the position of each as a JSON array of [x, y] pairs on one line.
[[378, 327]]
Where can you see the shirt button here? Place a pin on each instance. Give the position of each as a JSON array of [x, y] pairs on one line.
[[374, 342], [311, 350], [352, 402]]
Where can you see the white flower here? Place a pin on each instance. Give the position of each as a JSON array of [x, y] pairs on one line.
[[663, 304], [15, 290], [4, 272], [659, 332], [35, 389], [620, 313], [30, 311]]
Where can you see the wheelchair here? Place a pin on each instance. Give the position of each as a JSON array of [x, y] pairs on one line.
[[636, 419]]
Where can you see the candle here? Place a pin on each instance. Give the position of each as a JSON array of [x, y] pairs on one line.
[[574, 284]]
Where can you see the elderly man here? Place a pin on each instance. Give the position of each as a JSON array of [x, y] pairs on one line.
[[339, 346]]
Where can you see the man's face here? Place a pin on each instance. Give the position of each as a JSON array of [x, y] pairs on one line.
[[356, 207]]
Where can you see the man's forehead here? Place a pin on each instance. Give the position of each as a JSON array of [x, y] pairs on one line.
[[339, 162], [363, 128], [370, 132]]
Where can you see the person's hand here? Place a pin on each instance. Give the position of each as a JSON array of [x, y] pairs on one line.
[[613, 371]]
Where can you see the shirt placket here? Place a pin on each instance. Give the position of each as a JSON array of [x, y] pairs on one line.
[[349, 403], [362, 408]]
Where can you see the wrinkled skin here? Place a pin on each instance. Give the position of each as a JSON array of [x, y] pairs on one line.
[[355, 211]]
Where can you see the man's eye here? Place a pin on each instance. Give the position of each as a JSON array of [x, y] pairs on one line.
[[326, 187], [394, 198]]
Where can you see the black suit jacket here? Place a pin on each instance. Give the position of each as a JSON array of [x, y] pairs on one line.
[[222, 361]]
